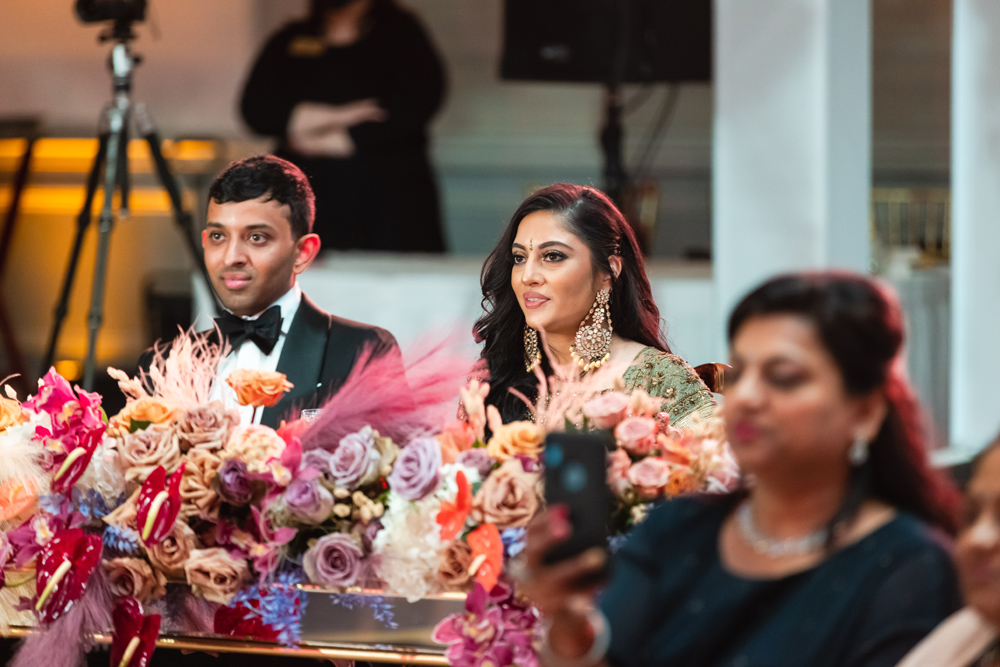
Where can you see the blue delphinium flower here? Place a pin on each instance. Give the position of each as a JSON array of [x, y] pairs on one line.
[[121, 539], [513, 541]]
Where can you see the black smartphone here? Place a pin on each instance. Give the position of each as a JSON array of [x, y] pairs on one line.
[[575, 476]]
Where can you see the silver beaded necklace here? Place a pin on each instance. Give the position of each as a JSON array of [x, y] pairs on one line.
[[772, 547]]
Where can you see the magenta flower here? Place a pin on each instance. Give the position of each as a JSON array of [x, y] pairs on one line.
[[495, 629], [259, 543]]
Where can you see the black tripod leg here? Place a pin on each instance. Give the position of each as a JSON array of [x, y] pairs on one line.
[[181, 217], [116, 143], [82, 223]]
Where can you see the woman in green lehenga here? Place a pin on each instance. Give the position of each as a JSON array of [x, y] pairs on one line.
[[568, 264]]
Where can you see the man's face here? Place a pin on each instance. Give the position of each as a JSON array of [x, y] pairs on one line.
[[251, 255]]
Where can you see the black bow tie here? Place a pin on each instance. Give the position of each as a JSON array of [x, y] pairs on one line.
[[263, 331]]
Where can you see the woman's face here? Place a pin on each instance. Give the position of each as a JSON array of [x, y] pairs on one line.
[[552, 276], [977, 552], [787, 411]]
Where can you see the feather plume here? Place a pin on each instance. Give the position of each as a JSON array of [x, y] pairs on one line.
[[400, 407], [182, 373], [65, 642]]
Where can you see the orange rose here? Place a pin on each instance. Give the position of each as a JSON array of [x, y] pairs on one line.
[[10, 413], [146, 409], [261, 389], [516, 438]]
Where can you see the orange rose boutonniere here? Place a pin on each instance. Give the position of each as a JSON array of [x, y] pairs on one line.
[[261, 389]]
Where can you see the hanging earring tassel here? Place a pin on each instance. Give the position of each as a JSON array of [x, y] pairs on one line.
[[858, 452], [532, 354], [592, 346]]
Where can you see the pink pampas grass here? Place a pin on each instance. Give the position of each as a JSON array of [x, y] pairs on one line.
[[399, 400]]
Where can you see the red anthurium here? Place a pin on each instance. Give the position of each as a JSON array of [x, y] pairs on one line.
[[452, 515], [63, 569], [79, 450], [238, 621], [487, 554], [158, 505], [135, 635]]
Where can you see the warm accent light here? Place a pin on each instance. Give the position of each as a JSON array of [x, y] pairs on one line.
[[71, 369]]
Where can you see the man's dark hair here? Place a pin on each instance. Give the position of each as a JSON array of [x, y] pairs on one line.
[[270, 176]]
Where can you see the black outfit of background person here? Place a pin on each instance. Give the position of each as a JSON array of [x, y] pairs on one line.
[[671, 602], [384, 197]]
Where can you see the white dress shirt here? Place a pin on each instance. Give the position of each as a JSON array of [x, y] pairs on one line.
[[248, 355]]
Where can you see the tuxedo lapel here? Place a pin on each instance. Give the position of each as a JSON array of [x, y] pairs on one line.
[[301, 361]]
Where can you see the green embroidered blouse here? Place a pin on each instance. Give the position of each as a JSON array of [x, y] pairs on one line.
[[669, 377]]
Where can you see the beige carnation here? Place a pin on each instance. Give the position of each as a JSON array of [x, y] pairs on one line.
[[143, 451], [197, 491], [133, 577], [507, 498], [453, 571], [168, 557], [206, 426], [254, 445], [215, 575], [516, 438]]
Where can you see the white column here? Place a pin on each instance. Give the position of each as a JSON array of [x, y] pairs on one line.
[[792, 144], [975, 256]]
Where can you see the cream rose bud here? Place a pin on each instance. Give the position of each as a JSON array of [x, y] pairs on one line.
[[649, 475], [607, 410], [637, 434], [215, 575]]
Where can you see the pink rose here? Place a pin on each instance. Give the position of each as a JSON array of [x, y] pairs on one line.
[[649, 475], [637, 434], [607, 410], [618, 465]]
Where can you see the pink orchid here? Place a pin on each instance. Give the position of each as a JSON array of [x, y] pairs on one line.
[[259, 543]]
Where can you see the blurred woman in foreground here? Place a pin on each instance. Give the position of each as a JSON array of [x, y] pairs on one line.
[[969, 637], [831, 556]]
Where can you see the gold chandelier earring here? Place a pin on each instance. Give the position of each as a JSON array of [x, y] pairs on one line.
[[592, 346], [532, 354]]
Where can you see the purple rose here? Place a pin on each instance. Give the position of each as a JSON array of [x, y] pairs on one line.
[[354, 459], [321, 461], [476, 458], [417, 468], [334, 561], [309, 501], [234, 482]]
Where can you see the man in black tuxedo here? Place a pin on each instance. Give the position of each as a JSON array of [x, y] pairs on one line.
[[257, 240]]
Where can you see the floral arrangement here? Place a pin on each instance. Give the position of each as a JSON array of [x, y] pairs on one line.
[[171, 516]]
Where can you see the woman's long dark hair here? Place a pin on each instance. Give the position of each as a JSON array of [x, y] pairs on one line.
[[590, 216], [860, 323]]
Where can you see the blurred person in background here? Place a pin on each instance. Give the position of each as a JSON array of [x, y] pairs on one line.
[[834, 553], [969, 638], [349, 93]]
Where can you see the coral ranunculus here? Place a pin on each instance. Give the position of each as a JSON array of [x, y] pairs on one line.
[[261, 389]]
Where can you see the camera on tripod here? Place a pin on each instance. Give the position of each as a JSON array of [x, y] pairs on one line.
[[119, 11]]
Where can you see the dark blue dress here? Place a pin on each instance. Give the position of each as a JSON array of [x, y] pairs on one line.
[[670, 602]]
